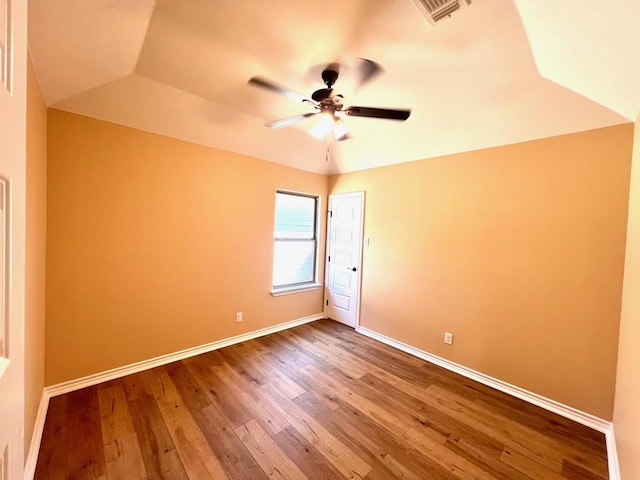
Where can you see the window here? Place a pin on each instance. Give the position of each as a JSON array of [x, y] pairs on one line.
[[296, 242]]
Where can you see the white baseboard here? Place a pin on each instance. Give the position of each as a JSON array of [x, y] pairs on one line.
[[77, 384], [571, 413], [72, 385], [612, 455], [546, 403], [36, 437]]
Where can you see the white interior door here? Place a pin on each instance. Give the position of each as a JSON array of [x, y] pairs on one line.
[[344, 257], [13, 81]]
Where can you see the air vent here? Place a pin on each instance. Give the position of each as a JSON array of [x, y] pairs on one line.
[[437, 10]]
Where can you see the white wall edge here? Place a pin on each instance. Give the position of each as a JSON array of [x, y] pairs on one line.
[[77, 384], [563, 410], [36, 437], [612, 455]]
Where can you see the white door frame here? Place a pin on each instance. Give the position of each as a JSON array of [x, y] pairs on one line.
[[361, 195], [13, 108]]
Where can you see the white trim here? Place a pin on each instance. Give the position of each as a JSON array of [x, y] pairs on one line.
[[77, 384], [96, 378], [278, 292], [571, 413], [563, 410], [362, 196], [548, 404], [36, 437], [612, 455]]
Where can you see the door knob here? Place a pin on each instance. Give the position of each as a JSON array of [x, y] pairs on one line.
[[353, 269]]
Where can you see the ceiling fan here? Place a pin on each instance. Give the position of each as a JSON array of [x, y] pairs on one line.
[[329, 105]]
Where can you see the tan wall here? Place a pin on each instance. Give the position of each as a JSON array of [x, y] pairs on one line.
[[155, 243], [517, 250], [626, 416], [36, 234]]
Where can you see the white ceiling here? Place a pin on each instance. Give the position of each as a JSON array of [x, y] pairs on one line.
[[497, 72]]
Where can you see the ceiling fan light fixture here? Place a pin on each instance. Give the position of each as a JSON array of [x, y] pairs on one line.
[[323, 126], [339, 129]]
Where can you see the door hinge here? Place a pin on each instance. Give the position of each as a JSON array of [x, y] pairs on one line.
[[330, 214], [329, 258], [327, 302]]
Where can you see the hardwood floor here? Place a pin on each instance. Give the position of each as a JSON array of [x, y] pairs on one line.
[[317, 401]]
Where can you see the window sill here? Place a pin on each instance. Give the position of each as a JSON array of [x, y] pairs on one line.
[[277, 292]]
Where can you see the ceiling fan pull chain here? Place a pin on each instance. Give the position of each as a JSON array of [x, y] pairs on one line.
[[326, 157]]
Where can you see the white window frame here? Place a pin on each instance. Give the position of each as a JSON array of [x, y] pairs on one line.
[[313, 283]]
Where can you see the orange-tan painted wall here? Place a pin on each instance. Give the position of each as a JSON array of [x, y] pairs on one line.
[[35, 250], [517, 250], [626, 416], [154, 244]]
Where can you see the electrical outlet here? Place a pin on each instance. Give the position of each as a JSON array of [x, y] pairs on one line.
[[448, 338], [238, 317]]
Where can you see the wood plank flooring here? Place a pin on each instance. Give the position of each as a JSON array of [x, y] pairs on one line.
[[318, 401]]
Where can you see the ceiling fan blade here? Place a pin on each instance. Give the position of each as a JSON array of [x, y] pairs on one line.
[[388, 113], [283, 122], [367, 70], [274, 87]]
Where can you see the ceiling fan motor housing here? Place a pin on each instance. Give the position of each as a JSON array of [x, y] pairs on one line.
[[322, 94], [330, 75], [327, 99], [325, 95]]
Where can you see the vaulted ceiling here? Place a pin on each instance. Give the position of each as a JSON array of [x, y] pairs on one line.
[[495, 73]]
